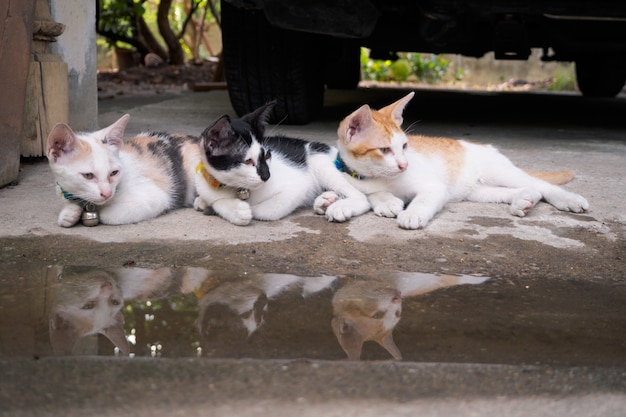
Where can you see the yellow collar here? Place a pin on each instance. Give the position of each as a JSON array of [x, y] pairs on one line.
[[200, 169]]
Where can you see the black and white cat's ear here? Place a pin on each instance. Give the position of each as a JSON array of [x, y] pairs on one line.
[[114, 134], [259, 117], [215, 133], [396, 109], [61, 141], [356, 123]]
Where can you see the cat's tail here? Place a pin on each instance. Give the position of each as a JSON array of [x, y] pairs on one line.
[[553, 177]]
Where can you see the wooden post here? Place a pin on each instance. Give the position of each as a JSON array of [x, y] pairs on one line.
[[47, 87], [16, 17]]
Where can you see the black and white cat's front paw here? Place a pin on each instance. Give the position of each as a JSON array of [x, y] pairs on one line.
[[234, 210], [323, 201], [69, 215]]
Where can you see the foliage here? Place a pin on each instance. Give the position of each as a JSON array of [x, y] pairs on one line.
[[429, 68], [170, 29], [564, 78]]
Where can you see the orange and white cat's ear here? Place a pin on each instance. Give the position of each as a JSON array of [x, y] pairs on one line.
[[114, 134], [351, 127], [396, 109], [349, 338], [61, 141]]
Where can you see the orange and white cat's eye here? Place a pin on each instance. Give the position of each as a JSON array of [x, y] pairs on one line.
[[385, 151]]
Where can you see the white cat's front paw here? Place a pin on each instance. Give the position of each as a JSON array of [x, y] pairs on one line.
[[323, 201], [524, 202], [69, 215], [390, 208], [410, 220], [571, 202]]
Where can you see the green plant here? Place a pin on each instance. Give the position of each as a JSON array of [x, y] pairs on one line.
[[564, 78], [428, 68]]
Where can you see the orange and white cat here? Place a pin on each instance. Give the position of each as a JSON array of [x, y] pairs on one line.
[[412, 177]]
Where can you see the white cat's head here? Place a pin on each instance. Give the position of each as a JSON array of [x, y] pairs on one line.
[[372, 142], [87, 165], [85, 302]]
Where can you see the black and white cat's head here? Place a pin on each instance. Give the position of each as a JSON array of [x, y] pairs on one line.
[[233, 149]]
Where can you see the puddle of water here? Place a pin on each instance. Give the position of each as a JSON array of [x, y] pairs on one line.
[[188, 312]]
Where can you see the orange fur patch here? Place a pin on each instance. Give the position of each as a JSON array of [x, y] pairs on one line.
[[449, 150]]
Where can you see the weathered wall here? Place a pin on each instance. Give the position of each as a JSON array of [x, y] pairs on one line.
[[77, 47]]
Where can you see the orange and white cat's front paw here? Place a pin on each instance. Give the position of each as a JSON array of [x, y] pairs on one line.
[[386, 204], [323, 201], [69, 215], [344, 209], [524, 201], [412, 220]]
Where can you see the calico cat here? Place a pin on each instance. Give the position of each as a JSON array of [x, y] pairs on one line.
[[252, 176], [412, 177], [127, 182]]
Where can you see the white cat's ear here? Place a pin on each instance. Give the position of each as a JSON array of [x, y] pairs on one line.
[[396, 109], [115, 333], [114, 134], [356, 123], [61, 141]]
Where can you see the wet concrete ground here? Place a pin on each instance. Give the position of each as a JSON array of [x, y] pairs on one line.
[[492, 315]]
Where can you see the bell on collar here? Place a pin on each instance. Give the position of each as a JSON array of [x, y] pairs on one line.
[[90, 216]]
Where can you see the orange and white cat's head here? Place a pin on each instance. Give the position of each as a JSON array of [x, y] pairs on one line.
[[372, 142], [87, 165]]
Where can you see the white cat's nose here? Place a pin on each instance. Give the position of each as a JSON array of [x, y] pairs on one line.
[[402, 166]]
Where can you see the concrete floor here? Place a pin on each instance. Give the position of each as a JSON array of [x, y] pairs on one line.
[[557, 277]]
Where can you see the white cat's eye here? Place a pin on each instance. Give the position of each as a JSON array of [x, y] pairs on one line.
[[89, 305], [114, 173], [88, 175], [115, 302]]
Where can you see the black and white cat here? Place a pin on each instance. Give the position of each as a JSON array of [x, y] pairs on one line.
[[250, 176]]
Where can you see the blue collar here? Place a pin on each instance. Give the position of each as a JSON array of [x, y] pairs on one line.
[[341, 166], [72, 197]]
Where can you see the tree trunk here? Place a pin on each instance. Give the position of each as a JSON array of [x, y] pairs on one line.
[[177, 57]]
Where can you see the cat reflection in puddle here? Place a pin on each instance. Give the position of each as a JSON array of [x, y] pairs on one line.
[[85, 301], [367, 310]]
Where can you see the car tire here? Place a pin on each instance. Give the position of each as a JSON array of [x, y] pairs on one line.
[[343, 67], [601, 76], [264, 63]]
